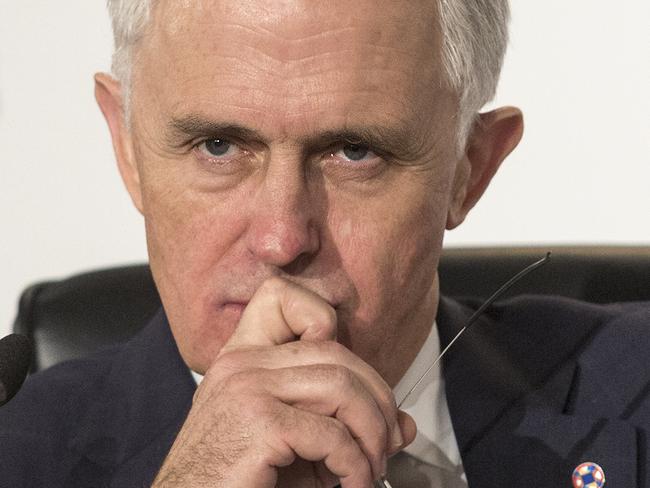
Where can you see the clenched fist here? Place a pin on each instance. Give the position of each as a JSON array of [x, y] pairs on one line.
[[285, 405]]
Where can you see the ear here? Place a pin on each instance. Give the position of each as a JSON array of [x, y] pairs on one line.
[[494, 136], [108, 93]]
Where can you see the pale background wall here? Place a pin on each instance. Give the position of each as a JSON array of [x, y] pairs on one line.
[[580, 69]]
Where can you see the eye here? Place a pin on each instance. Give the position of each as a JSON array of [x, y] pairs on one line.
[[355, 152], [218, 148]]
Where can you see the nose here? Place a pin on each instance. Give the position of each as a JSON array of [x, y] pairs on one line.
[[283, 225]]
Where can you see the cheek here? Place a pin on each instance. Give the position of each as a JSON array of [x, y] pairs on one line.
[[187, 235], [390, 254]]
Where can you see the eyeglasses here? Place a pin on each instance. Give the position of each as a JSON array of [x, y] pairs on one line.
[[383, 482]]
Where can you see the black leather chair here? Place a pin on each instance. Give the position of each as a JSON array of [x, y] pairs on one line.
[[77, 315]]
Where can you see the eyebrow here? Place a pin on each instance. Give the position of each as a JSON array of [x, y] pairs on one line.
[[181, 130], [393, 140], [397, 140]]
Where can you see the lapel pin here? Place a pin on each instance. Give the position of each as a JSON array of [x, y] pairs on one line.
[[588, 475]]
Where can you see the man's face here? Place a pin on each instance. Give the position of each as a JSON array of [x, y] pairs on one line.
[[309, 140]]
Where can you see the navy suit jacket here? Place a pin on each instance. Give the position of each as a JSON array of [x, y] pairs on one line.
[[536, 387]]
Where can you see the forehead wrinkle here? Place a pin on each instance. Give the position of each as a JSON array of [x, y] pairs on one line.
[[257, 58], [338, 31], [286, 120], [240, 43], [295, 95], [280, 28], [228, 22], [307, 54], [292, 97]]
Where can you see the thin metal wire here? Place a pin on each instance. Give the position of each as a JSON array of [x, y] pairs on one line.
[[505, 287], [383, 482]]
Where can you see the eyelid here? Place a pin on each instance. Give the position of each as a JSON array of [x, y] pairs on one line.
[[372, 160], [242, 146], [343, 169], [338, 145], [385, 156], [223, 136], [355, 142], [199, 148], [202, 140]]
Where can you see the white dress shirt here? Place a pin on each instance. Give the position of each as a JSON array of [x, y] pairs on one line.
[[435, 443]]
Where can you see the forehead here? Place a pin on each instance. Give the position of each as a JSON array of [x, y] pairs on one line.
[[292, 61]]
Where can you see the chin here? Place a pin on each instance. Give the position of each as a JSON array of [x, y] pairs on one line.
[[200, 346]]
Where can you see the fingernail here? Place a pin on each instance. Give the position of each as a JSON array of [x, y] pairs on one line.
[[384, 466], [397, 439]]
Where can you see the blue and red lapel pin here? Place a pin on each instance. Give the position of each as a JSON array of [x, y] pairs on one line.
[[588, 475]]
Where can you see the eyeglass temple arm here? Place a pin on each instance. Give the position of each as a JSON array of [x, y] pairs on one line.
[[383, 482]]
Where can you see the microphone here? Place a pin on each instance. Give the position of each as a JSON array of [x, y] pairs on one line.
[[15, 359]]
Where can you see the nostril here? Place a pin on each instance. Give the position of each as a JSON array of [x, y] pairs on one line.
[[299, 264]]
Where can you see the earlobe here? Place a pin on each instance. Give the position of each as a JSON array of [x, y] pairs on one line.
[[495, 135], [108, 94]]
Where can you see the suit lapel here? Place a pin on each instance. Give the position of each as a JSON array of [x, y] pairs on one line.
[[138, 411], [478, 381], [510, 387]]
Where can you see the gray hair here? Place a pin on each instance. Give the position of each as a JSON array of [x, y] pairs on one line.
[[475, 36]]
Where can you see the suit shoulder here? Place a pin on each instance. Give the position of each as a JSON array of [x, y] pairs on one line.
[[553, 314], [50, 399], [538, 334]]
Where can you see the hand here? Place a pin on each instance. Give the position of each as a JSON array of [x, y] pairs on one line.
[[273, 410]]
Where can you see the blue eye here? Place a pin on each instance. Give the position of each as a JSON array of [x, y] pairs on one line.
[[355, 152], [217, 147]]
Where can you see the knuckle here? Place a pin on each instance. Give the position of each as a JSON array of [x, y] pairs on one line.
[[331, 315], [243, 383], [262, 409], [378, 441], [292, 303], [334, 350], [341, 376], [300, 348], [323, 318], [337, 431], [277, 422], [387, 398], [257, 407], [316, 352]]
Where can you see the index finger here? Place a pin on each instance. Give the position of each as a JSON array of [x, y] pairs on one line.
[[280, 312]]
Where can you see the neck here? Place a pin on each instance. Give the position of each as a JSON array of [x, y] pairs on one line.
[[409, 340]]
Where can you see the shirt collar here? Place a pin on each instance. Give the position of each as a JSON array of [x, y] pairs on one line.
[[435, 442]]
